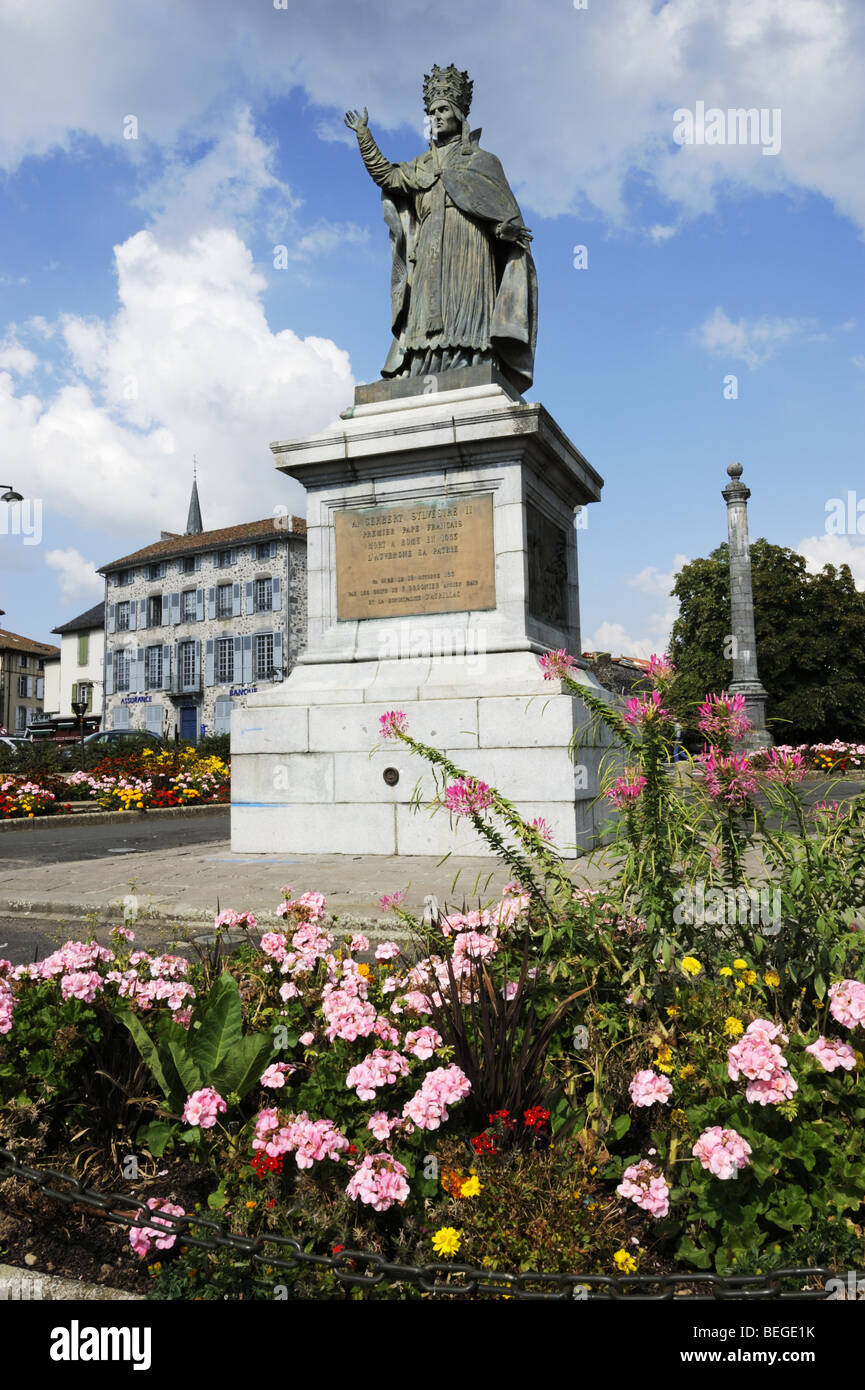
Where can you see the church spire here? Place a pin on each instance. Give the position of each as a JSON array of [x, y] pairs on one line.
[[194, 524]]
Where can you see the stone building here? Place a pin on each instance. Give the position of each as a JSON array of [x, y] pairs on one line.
[[82, 655], [197, 622], [22, 680]]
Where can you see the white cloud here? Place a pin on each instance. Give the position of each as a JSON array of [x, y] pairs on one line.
[[651, 580], [188, 364], [15, 358], [660, 233], [579, 103], [752, 341], [76, 577], [834, 550]]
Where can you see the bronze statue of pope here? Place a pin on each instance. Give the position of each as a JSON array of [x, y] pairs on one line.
[[463, 283]]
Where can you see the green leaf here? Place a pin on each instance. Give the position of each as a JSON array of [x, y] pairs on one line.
[[687, 1250], [243, 1066], [621, 1125], [222, 1027], [182, 1057], [155, 1136], [149, 1051]]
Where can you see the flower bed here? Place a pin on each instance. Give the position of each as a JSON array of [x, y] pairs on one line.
[[658, 1075], [130, 782]]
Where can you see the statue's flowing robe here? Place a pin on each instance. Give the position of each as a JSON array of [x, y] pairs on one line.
[[456, 288]]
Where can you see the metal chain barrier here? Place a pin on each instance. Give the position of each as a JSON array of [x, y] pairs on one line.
[[364, 1269]]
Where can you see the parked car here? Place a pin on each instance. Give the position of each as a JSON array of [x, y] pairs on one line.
[[14, 741], [117, 738]]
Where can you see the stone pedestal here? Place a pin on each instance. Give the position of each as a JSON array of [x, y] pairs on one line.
[[442, 561]]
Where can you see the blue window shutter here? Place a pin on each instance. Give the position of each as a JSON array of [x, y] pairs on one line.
[[175, 608], [247, 660], [166, 610], [133, 615], [109, 672], [166, 666], [199, 605], [139, 669], [277, 653], [233, 560], [276, 586], [211, 603], [198, 562], [249, 597], [142, 613], [235, 601], [111, 608], [238, 661], [208, 661], [175, 666], [196, 677]]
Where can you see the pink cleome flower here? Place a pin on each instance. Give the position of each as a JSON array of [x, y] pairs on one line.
[[661, 668], [625, 792], [467, 797], [544, 829], [784, 767], [556, 665], [722, 1152], [647, 1088], [723, 718], [390, 900], [729, 777], [642, 710], [392, 724]]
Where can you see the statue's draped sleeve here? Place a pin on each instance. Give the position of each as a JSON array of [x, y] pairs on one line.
[[392, 178]]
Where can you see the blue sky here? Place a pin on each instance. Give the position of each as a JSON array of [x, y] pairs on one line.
[[142, 318]]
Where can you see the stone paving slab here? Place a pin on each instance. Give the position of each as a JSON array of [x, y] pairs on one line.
[[27, 1285]]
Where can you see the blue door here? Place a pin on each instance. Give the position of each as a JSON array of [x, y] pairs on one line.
[[188, 723]]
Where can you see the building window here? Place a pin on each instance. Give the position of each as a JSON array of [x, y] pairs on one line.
[[187, 564], [22, 687], [189, 608], [224, 601], [153, 668], [121, 669], [83, 691], [125, 576], [263, 595], [83, 648], [23, 662], [265, 550], [225, 660], [264, 656], [224, 558], [121, 620], [156, 571], [187, 665], [154, 611], [20, 718]]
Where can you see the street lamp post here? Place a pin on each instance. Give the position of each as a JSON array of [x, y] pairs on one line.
[[79, 708]]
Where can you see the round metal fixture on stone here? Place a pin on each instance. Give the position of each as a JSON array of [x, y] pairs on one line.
[[391, 776]]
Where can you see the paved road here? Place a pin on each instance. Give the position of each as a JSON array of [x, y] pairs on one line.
[[63, 842]]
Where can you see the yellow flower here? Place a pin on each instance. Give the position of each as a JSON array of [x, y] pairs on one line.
[[687, 1072], [446, 1241], [250, 1205], [691, 966], [740, 984], [673, 1011], [679, 1117], [364, 970], [733, 1027], [470, 1188], [725, 970], [740, 964], [772, 979], [750, 977], [625, 1262]]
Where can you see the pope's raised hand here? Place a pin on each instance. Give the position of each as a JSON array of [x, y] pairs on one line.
[[355, 121]]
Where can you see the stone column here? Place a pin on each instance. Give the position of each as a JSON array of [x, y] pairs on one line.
[[746, 680]]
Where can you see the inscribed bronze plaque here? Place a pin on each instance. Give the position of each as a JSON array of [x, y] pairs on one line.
[[400, 559]]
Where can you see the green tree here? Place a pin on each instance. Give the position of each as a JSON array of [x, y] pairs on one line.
[[810, 642]]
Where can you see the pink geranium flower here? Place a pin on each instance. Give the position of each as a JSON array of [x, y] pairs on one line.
[[832, 1053], [647, 1088], [722, 1152]]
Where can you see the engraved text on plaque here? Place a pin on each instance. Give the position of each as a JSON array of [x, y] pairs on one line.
[[419, 557]]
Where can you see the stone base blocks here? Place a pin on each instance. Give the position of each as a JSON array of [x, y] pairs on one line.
[[442, 561]]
